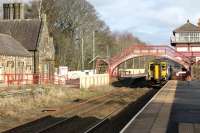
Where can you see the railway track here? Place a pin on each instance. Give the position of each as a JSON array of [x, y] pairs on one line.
[[88, 126], [79, 117], [50, 123], [114, 124], [102, 122], [68, 119]]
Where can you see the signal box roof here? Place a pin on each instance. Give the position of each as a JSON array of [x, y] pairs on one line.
[[188, 27]]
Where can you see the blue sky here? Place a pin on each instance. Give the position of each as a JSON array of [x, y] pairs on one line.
[[150, 20]]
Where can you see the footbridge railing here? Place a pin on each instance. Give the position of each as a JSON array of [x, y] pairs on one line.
[[147, 50]]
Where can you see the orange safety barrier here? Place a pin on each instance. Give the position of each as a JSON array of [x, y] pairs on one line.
[[30, 79]]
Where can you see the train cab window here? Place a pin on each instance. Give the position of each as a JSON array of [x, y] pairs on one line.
[[163, 67], [151, 67]]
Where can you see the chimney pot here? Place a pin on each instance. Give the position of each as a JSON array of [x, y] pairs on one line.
[[13, 10]]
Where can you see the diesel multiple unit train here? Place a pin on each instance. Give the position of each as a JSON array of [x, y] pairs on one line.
[[159, 71]]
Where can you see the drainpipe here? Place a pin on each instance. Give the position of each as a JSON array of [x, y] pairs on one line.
[[15, 67]]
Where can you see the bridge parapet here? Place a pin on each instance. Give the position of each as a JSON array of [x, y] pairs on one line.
[[148, 50]]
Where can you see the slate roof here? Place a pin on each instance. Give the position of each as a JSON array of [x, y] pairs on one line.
[[188, 27], [11, 47], [25, 31]]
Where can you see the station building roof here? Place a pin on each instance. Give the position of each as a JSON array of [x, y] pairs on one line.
[[26, 31], [11, 47]]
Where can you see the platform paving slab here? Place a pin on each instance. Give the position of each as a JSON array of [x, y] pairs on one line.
[[175, 109]]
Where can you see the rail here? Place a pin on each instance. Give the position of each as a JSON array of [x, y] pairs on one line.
[[72, 114], [144, 107]]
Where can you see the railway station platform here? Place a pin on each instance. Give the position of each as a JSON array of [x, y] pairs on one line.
[[174, 109]]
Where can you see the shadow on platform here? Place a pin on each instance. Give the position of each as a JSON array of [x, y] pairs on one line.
[[186, 108]]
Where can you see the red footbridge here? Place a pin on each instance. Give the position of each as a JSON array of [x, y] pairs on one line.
[[160, 51]]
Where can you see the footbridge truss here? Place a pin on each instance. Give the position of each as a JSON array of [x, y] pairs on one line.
[[146, 50]]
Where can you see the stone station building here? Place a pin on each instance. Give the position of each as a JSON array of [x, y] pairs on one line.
[[14, 58], [32, 38]]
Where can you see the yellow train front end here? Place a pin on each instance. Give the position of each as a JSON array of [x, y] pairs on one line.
[[158, 71]]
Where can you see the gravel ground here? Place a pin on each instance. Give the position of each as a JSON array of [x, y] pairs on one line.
[[37, 105]]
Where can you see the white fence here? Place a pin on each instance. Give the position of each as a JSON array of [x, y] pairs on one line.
[[94, 80], [132, 71]]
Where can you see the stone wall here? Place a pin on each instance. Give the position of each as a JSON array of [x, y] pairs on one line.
[[16, 65], [46, 51]]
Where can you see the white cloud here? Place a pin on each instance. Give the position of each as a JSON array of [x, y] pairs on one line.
[[151, 20]]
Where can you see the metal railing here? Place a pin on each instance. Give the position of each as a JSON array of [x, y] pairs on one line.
[[30, 79], [147, 50]]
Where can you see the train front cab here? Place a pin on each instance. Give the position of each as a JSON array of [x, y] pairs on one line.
[[154, 71], [158, 71]]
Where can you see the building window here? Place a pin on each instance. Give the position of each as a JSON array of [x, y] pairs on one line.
[[46, 68], [195, 49], [10, 64], [182, 49], [28, 67], [188, 37], [20, 64]]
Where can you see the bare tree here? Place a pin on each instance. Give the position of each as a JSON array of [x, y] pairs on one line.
[[32, 9], [71, 21]]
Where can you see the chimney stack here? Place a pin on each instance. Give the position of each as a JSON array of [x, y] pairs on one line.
[[12, 11], [18, 11], [198, 23]]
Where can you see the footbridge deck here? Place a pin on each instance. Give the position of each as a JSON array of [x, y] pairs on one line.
[[174, 109]]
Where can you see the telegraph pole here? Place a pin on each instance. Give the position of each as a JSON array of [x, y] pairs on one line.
[[107, 51], [93, 51], [81, 43], [82, 54]]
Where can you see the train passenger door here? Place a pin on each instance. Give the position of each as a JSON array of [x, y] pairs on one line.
[[157, 72]]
